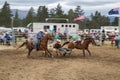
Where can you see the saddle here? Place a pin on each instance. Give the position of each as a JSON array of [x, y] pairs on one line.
[[77, 42]]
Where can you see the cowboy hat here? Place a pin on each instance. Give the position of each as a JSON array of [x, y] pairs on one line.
[[58, 40], [41, 30], [46, 32]]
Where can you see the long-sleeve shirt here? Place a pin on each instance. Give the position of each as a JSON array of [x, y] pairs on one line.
[[7, 37], [40, 35]]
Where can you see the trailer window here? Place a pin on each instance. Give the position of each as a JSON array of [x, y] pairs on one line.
[[55, 27], [69, 25], [66, 25], [115, 28], [73, 26], [46, 27], [92, 30]]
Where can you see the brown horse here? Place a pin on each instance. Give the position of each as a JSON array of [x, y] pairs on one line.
[[42, 45], [84, 46]]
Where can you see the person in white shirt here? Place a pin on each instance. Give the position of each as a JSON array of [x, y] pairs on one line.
[[79, 39]]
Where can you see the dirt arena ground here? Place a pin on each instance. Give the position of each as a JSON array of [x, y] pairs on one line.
[[104, 64]]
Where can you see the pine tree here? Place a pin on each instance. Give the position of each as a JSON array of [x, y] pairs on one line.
[[78, 11], [115, 22], [52, 13], [71, 15], [5, 15], [59, 11], [98, 20], [39, 11], [16, 22], [30, 18], [42, 14]]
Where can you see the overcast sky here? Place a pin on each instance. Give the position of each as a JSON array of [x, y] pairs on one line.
[[89, 6]]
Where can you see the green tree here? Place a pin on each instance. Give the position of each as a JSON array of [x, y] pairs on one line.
[[99, 20], [30, 18], [71, 15], [59, 11], [115, 22], [39, 11], [5, 15], [42, 14], [78, 11], [16, 22], [52, 13]]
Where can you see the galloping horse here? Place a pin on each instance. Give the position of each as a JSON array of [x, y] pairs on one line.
[[42, 44], [84, 46]]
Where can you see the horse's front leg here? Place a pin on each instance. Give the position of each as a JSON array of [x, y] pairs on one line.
[[89, 52], [46, 54], [84, 52], [49, 53], [29, 52]]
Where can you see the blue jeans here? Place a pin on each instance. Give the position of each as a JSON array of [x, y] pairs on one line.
[[36, 44], [8, 42]]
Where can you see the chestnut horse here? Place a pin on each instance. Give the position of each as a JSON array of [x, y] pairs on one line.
[[42, 45], [84, 46]]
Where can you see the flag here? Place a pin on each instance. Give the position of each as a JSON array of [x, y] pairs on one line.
[[114, 11], [79, 18]]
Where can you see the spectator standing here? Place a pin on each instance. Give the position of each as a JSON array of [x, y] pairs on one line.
[[117, 40], [112, 40], [79, 39], [58, 31], [7, 37], [65, 32], [1, 39], [56, 36]]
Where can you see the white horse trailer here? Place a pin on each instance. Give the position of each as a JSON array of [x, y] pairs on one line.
[[73, 28], [110, 29]]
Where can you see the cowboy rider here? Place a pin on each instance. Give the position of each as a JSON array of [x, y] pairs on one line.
[[39, 36]]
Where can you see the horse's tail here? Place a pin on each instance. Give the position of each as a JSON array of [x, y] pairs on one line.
[[24, 43], [65, 43]]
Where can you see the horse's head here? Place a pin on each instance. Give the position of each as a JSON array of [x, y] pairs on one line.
[[91, 40], [49, 36], [57, 45]]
